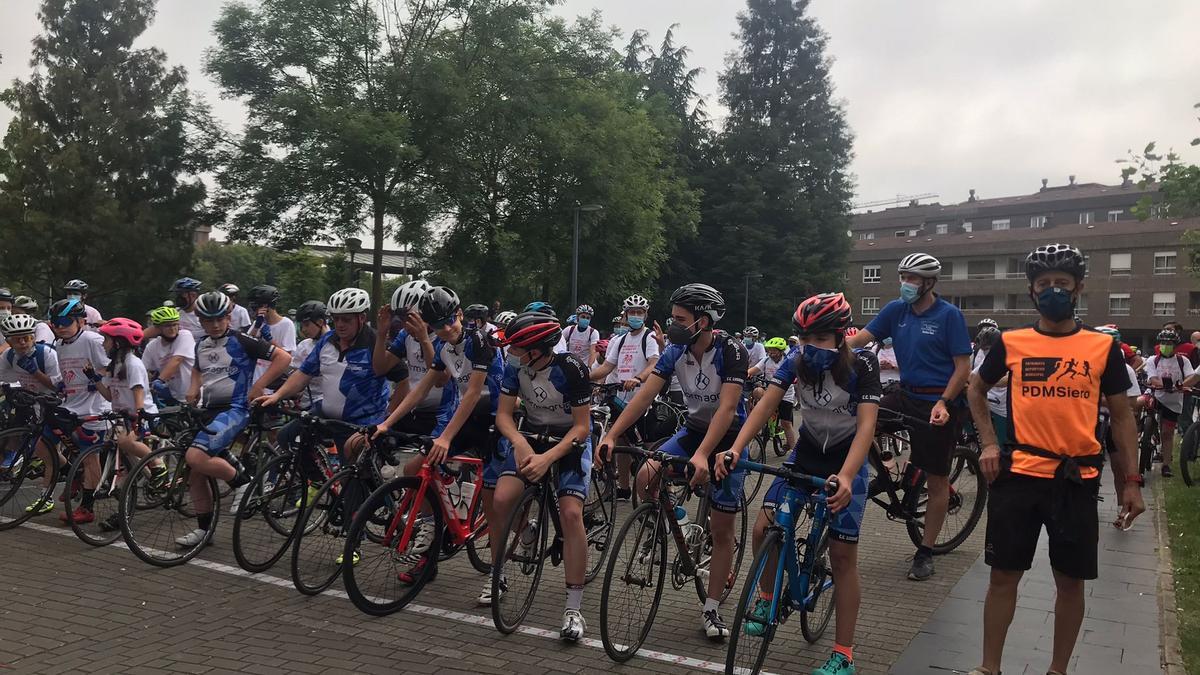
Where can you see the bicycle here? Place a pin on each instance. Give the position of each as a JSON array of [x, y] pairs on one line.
[[902, 493], [1149, 435], [789, 573], [21, 496], [113, 471], [638, 562]]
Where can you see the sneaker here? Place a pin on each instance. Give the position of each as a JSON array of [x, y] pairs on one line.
[[922, 567], [40, 506], [235, 499], [573, 626], [192, 538], [80, 515], [111, 523], [409, 577], [486, 598], [310, 495], [624, 494], [422, 538], [714, 626], [836, 665], [354, 559], [755, 624], [1166, 471]]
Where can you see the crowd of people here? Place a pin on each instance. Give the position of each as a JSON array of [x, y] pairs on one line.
[[428, 363]]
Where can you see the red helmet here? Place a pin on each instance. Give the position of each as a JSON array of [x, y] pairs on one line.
[[851, 331], [120, 327], [533, 330], [824, 313]]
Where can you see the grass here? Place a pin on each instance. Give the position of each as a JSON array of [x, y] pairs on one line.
[[1183, 518]]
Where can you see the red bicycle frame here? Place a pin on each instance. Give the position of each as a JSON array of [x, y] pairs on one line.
[[459, 529]]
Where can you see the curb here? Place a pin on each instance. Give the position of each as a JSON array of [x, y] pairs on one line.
[[1168, 620]]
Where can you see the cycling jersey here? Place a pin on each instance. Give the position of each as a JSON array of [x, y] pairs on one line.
[[158, 352], [121, 389], [725, 362], [768, 368], [580, 343], [350, 390], [47, 362], [1177, 368], [408, 349], [629, 355], [550, 394], [828, 409], [472, 353], [312, 393], [226, 367], [925, 343], [82, 398]]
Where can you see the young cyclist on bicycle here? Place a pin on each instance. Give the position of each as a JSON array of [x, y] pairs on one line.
[[77, 289], [767, 366], [224, 375], [414, 346], [711, 367], [556, 397], [839, 392], [313, 316], [32, 366], [580, 339], [23, 304], [187, 291], [1166, 372], [239, 318], [170, 357]]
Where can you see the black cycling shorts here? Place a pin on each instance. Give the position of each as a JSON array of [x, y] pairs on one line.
[[787, 411], [1167, 414], [1019, 506], [931, 446]]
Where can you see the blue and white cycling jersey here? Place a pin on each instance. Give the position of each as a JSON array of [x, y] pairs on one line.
[[725, 362], [472, 353], [226, 366], [828, 410], [350, 390], [408, 349], [550, 394]]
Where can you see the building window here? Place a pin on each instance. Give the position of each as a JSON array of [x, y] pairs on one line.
[[1157, 210], [1120, 264], [941, 228], [1037, 222], [1164, 304], [1118, 304], [866, 235], [1081, 306], [981, 269], [900, 233], [870, 306], [1085, 218], [1000, 224], [967, 226], [947, 269], [870, 274], [1115, 215], [913, 233], [1164, 262]]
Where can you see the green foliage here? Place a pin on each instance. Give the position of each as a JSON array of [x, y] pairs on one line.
[[100, 161], [299, 275], [1182, 512]]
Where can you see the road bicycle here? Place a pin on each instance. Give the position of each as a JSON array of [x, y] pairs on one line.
[[27, 479], [113, 470]]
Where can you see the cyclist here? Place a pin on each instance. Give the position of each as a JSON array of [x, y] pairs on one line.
[[77, 289], [556, 396], [169, 358], [414, 347], [187, 291], [998, 395], [755, 348], [224, 373], [23, 304], [934, 355], [478, 316], [776, 348], [1134, 394], [1166, 372], [838, 391], [711, 367], [269, 325], [889, 370], [314, 323], [239, 318], [30, 365], [1049, 473], [629, 359], [580, 339]]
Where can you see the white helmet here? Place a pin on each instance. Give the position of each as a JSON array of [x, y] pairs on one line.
[[921, 264], [504, 318], [349, 301], [25, 302], [408, 295], [18, 324], [636, 301]]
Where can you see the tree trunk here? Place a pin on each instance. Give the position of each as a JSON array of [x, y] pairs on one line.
[[377, 260]]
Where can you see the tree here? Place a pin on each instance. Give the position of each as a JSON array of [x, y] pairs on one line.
[[299, 275], [100, 162]]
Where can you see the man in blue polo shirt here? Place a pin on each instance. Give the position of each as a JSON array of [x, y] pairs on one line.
[[933, 351]]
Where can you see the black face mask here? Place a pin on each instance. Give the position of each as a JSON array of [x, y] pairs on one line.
[[1055, 303], [678, 334]]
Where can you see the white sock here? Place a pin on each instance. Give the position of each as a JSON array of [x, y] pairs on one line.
[[574, 596], [711, 604]]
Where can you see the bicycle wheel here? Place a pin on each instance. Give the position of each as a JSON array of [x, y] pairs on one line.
[[515, 581], [1189, 470], [105, 526], [599, 520], [373, 584], [749, 640], [479, 546], [320, 539], [815, 614], [968, 496], [25, 483], [779, 444], [702, 555], [158, 513], [757, 453], [1146, 446], [270, 508], [633, 582]]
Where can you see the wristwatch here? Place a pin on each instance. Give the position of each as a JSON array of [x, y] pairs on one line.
[[945, 401], [1136, 478]]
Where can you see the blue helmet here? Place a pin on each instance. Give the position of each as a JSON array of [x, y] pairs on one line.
[[185, 285], [540, 306]]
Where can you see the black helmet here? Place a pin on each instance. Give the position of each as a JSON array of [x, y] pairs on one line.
[[700, 299], [313, 310], [6, 294], [477, 311], [1060, 257], [68, 308], [213, 304], [438, 305], [987, 337], [75, 286], [263, 296], [1167, 336], [533, 330]]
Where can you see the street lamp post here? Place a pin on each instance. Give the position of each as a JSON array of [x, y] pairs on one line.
[[575, 253], [746, 309], [353, 245]]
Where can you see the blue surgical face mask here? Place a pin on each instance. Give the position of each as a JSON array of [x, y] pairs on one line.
[[1055, 303], [584, 323], [513, 361], [74, 296], [748, 342], [887, 342], [910, 292], [636, 322], [620, 330], [819, 359]]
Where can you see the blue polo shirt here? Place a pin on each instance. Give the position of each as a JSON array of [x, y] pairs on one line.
[[925, 344]]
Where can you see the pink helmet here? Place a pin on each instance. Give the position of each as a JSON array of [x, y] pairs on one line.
[[128, 329]]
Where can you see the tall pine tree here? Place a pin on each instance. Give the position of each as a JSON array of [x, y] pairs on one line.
[[100, 161]]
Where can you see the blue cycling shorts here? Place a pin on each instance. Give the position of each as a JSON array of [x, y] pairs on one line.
[[726, 495], [572, 481], [843, 525], [225, 428]]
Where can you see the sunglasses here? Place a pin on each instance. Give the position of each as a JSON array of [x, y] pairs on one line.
[[441, 323], [63, 321]]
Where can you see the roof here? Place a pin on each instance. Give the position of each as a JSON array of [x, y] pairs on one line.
[[394, 262]]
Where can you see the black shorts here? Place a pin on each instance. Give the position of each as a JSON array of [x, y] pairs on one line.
[[1167, 414], [787, 411], [420, 422], [1018, 507], [931, 446]]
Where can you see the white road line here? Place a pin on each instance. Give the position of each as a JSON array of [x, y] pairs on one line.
[[452, 615]]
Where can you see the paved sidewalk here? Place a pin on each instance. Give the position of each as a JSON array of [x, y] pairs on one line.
[[1120, 633]]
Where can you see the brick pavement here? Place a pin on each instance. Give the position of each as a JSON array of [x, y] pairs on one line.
[[73, 608]]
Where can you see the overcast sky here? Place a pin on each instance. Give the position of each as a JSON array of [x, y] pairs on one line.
[[942, 96]]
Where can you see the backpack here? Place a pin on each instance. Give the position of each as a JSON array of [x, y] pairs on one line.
[[1178, 362], [645, 337]]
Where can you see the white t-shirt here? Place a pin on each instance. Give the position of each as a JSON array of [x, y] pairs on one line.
[[13, 373], [85, 348], [42, 333], [581, 343], [997, 397], [313, 393], [888, 355], [283, 336], [158, 352], [625, 353], [768, 367], [1169, 366], [239, 318], [93, 317], [121, 390], [757, 352], [191, 323]]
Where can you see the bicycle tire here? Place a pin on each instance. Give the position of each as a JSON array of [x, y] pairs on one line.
[[751, 658], [394, 496], [779, 445], [1189, 469], [757, 452], [814, 620], [601, 513], [623, 647], [320, 536], [969, 481], [739, 551], [479, 546], [507, 611], [94, 535], [1146, 446], [172, 497], [18, 484], [258, 545]]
